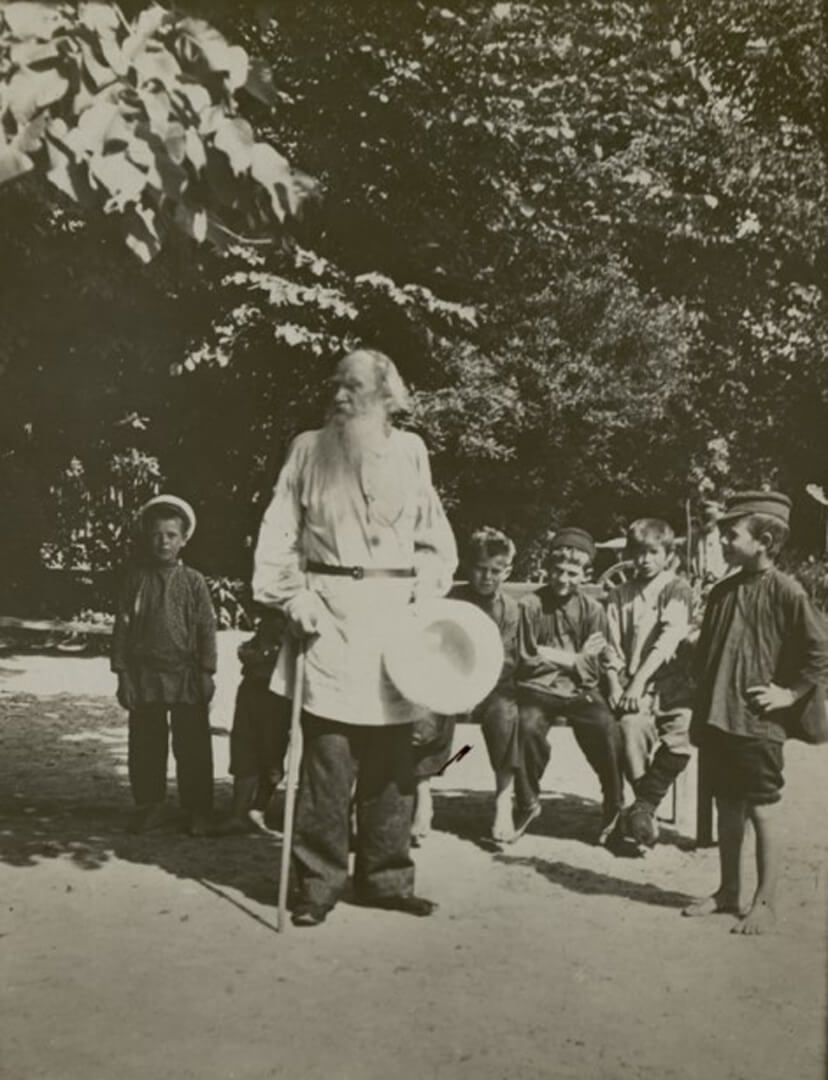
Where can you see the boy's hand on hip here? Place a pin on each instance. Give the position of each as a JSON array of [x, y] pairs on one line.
[[208, 686], [770, 698]]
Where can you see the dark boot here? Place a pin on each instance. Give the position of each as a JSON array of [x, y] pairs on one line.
[[650, 790]]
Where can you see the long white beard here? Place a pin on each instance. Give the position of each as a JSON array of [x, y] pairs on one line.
[[345, 441]]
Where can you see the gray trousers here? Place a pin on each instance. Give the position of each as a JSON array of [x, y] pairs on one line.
[[381, 760]]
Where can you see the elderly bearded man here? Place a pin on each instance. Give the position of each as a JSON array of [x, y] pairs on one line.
[[354, 532]]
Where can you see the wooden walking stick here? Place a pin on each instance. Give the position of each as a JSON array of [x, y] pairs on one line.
[[294, 757]]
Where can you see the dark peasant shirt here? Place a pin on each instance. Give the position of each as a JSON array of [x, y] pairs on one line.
[[165, 633], [758, 628], [563, 624]]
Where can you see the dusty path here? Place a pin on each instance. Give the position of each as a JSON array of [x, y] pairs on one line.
[[131, 957]]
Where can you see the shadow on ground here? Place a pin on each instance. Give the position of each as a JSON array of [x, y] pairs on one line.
[[64, 793], [468, 816], [590, 882]]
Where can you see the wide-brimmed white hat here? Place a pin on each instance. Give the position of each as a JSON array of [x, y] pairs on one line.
[[177, 504], [444, 655]]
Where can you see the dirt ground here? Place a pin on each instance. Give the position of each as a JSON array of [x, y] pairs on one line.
[[131, 957]]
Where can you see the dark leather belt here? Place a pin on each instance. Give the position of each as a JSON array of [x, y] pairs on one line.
[[358, 572]]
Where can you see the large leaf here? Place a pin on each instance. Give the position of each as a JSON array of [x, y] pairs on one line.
[[13, 162], [175, 139], [234, 137], [214, 49], [141, 232], [101, 19], [156, 63], [88, 136], [62, 171], [271, 170], [158, 105], [195, 150], [99, 73], [121, 180], [29, 20], [26, 53], [29, 91], [30, 138]]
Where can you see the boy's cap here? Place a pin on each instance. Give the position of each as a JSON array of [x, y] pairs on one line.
[[174, 503], [573, 538], [772, 503]]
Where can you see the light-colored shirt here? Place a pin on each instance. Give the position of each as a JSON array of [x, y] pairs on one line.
[[385, 515], [648, 619]]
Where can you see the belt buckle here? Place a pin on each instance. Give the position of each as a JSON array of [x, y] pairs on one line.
[[357, 573]]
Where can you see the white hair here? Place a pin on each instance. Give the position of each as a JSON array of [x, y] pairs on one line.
[[389, 381]]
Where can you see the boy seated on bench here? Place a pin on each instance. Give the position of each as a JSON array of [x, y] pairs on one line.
[[649, 619], [487, 562], [563, 633]]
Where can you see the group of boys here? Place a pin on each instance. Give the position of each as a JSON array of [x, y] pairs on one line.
[[609, 670], [615, 671]]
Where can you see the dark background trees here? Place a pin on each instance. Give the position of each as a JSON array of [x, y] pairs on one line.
[[592, 233]]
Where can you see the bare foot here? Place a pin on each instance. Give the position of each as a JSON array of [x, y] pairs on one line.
[[719, 903], [758, 920], [421, 825], [503, 827]]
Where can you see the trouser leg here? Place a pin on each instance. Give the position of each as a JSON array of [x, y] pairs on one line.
[[384, 806], [273, 729], [320, 848], [534, 753], [147, 754], [431, 745], [639, 737], [663, 770], [193, 750], [500, 723], [598, 735]]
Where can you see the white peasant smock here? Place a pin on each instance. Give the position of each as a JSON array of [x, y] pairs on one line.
[[385, 514]]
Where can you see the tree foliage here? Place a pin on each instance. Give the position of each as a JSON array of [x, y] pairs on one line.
[[592, 234], [139, 120]]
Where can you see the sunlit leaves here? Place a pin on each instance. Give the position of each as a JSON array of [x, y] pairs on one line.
[[139, 120]]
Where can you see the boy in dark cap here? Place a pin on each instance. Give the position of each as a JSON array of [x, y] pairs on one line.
[[762, 649], [649, 619], [563, 632]]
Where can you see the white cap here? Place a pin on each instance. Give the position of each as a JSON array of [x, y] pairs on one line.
[[175, 503]]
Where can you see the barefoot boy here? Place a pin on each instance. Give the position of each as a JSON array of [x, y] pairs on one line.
[[488, 563], [164, 654], [649, 618], [563, 633], [762, 648]]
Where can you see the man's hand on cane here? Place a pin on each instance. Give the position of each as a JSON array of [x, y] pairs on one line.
[[305, 612]]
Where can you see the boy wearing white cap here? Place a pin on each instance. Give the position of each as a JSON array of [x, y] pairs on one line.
[[763, 650], [164, 654]]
